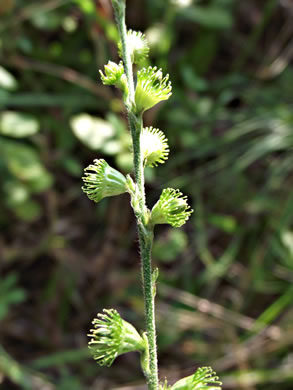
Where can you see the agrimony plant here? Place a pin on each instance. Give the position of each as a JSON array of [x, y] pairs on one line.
[[111, 335]]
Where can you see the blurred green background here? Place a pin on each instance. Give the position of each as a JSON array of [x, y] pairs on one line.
[[225, 288]]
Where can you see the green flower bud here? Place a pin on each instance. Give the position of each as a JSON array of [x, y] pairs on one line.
[[171, 208], [114, 75], [203, 379], [137, 46], [101, 180], [151, 88], [112, 336], [154, 146]]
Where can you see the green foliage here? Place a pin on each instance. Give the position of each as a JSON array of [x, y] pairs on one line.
[[7, 80], [211, 17], [17, 125], [24, 175], [106, 136], [10, 294], [170, 245]]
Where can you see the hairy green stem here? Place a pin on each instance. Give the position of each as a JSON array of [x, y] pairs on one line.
[[146, 241], [119, 10], [145, 232], [136, 124]]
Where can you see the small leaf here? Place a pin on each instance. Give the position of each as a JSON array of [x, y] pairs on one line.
[[28, 210], [15, 192], [91, 131], [168, 247], [211, 17], [24, 163], [227, 223], [7, 81], [87, 6], [17, 124]]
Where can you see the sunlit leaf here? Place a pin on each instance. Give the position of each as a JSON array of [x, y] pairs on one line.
[[7, 80], [17, 124], [16, 192], [92, 131], [211, 17], [46, 20], [24, 163]]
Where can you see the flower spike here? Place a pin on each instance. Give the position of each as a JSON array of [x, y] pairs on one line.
[[114, 75], [171, 208], [151, 88], [154, 146], [137, 46], [203, 379], [101, 180], [112, 336]]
